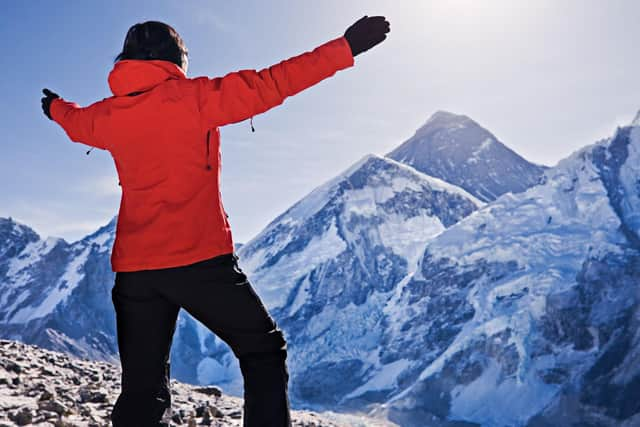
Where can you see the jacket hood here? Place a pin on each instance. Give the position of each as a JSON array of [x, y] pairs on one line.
[[134, 75]]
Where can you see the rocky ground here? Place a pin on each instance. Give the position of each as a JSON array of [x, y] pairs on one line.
[[47, 388]]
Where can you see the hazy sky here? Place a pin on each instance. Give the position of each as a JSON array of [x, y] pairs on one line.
[[546, 77]]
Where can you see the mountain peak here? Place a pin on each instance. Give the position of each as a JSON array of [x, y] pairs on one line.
[[10, 226], [443, 120], [370, 171], [443, 115], [636, 121], [457, 149]]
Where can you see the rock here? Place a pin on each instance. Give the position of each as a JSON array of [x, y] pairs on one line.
[[45, 414], [47, 371], [93, 396], [216, 412], [32, 392], [200, 410], [176, 418], [46, 395], [235, 414], [206, 417], [53, 405], [22, 417], [13, 367], [209, 390], [45, 390]]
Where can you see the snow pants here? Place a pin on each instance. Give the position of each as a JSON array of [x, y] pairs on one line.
[[217, 293]]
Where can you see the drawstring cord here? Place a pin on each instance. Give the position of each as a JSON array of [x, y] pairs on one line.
[[129, 94], [251, 123]]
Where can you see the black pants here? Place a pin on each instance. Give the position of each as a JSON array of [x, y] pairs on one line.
[[217, 293]]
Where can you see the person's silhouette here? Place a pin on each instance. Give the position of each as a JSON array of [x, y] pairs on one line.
[[173, 247]]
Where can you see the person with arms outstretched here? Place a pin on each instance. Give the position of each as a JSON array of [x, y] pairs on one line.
[[173, 246]]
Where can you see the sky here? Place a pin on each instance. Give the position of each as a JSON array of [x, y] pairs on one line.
[[546, 77]]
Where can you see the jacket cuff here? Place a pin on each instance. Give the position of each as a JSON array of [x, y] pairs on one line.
[[53, 110], [343, 57]]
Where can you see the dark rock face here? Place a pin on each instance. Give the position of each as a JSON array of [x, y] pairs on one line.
[[605, 308], [458, 150], [316, 386]]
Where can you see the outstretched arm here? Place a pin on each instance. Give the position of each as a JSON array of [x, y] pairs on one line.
[[78, 122], [242, 94]]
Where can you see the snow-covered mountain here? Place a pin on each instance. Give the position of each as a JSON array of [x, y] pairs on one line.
[[57, 295], [326, 266], [405, 296], [458, 150], [526, 312], [369, 222]]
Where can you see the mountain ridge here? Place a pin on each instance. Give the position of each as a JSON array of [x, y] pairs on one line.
[[401, 295]]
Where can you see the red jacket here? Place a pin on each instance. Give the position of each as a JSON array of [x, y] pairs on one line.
[[161, 129]]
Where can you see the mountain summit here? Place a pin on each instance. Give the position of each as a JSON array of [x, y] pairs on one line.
[[458, 150]]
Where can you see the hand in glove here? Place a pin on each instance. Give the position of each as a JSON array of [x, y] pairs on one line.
[[366, 32], [46, 101]]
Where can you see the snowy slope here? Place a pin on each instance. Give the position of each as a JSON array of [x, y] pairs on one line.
[[325, 266], [458, 150], [47, 284], [526, 312], [57, 295]]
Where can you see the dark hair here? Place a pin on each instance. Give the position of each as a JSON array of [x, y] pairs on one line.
[[154, 40]]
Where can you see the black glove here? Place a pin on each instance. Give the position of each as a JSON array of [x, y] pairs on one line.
[[46, 101], [366, 32]]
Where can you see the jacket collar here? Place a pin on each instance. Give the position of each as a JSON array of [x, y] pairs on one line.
[[137, 75]]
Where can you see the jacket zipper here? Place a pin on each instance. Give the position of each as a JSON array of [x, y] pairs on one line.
[[208, 167]]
